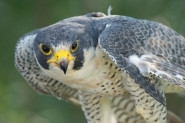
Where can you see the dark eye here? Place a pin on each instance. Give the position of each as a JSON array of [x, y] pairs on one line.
[[74, 46], [45, 49]]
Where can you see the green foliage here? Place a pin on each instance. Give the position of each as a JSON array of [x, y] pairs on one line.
[[19, 103]]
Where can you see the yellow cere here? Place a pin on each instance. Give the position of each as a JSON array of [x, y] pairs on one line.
[[61, 54]]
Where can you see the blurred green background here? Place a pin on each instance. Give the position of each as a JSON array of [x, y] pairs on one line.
[[19, 103]]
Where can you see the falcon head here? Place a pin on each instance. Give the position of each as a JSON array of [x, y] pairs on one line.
[[64, 48]]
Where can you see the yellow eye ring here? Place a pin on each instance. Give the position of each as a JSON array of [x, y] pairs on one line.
[[45, 49], [74, 46]]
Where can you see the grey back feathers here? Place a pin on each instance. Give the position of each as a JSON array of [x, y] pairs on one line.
[[122, 39]]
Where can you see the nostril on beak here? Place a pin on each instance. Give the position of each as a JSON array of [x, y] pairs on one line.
[[56, 57]]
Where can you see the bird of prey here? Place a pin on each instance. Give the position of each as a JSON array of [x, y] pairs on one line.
[[103, 63]]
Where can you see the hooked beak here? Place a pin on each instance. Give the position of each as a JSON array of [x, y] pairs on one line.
[[61, 59], [63, 65]]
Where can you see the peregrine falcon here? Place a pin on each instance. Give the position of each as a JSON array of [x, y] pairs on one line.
[[100, 61]]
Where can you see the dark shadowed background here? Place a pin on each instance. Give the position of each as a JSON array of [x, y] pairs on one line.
[[19, 103]]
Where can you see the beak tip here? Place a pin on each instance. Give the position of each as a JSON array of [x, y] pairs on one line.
[[63, 66], [65, 72]]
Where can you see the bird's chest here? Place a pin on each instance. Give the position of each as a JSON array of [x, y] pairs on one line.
[[102, 77]]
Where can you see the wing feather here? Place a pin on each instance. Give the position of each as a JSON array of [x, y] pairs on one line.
[[160, 50], [161, 67], [121, 33], [162, 47]]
